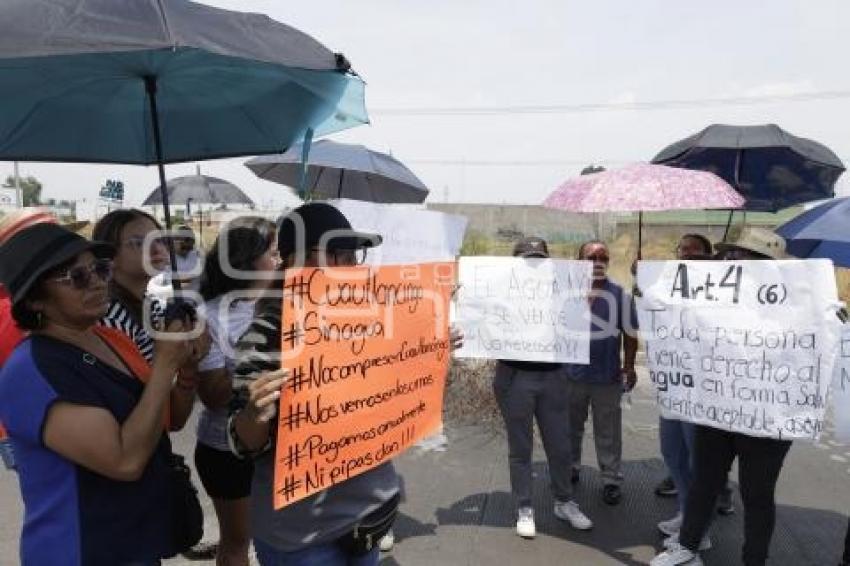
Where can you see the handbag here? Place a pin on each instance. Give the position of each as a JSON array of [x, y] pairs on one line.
[[371, 528], [187, 517]]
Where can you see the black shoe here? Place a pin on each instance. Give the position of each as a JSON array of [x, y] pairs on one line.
[[725, 506], [202, 551], [612, 494], [666, 488], [574, 475]]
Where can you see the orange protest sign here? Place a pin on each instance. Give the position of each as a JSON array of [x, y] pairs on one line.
[[368, 350]]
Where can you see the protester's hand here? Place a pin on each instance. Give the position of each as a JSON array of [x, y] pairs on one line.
[[201, 346], [187, 378], [455, 337], [263, 394], [629, 378], [172, 354]]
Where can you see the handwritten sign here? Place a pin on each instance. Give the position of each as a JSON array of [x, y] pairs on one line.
[[747, 346], [368, 351], [840, 390], [531, 309], [411, 234]]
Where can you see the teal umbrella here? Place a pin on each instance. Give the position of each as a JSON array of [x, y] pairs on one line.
[[162, 81]]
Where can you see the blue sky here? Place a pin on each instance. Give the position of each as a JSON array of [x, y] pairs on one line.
[[479, 53]]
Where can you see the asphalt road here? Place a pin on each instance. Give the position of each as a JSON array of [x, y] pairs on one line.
[[458, 509]]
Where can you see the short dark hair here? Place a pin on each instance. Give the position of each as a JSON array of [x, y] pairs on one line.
[[248, 238], [108, 228], [584, 246], [706, 243]]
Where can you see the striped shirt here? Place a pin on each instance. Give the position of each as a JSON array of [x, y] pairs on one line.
[[119, 316]]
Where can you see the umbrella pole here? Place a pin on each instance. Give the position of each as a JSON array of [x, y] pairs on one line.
[[339, 189], [728, 225], [640, 230], [150, 88]]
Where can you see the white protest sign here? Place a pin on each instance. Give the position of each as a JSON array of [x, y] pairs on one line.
[[529, 309], [840, 390], [747, 346], [411, 235]]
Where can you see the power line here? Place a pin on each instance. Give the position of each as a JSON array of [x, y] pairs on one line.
[[611, 106]]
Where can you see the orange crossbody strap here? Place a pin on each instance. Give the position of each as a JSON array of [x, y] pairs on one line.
[[126, 349]]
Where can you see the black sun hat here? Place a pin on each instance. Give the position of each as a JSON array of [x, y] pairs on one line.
[[36, 250], [320, 224]]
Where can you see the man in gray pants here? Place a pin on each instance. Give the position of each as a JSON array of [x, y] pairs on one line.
[[524, 391], [599, 385]]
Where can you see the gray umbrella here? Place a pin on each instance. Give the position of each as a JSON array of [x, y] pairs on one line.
[[199, 189], [338, 170]]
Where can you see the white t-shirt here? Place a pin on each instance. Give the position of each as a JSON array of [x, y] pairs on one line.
[[225, 327]]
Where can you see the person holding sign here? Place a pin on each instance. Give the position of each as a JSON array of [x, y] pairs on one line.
[[599, 385], [760, 459], [312, 530], [526, 391], [677, 436], [237, 269]]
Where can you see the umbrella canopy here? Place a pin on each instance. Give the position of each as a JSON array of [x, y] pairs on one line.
[[77, 77], [146, 81], [820, 232], [771, 168], [643, 187], [199, 189], [338, 170]]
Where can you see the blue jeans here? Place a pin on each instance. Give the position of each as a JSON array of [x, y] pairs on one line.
[[327, 554], [677, 447]]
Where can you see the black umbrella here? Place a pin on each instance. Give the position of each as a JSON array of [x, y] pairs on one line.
[[771, 168], [199, 189], [153, 82]]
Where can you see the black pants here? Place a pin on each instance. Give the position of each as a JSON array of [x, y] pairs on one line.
[[759, 463], [524, 396]]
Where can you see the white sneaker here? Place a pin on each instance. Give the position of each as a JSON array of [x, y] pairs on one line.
[[387, 541], [570, 512], [525, 523], [677, 555], [672, 526], [704, 544]]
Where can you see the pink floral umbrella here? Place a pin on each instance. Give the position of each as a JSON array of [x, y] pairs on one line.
[[641, 187]]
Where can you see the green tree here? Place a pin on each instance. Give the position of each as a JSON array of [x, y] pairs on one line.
[[30, 189]]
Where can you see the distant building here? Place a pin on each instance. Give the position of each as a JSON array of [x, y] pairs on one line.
[[8, 198], [512, 221]]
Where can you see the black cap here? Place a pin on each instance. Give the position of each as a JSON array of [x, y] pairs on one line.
[[320, 224], [531, 246], [36, 250]]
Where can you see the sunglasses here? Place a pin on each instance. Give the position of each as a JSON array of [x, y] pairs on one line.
[[137, 242], [341, 257], [79, 277], [598, 258]]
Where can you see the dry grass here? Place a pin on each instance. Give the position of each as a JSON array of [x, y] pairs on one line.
[[469, 395]]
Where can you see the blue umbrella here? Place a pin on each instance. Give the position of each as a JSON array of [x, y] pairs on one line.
[[820, 232], [148, 81]]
